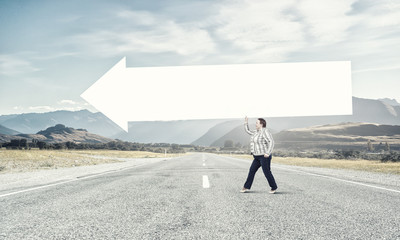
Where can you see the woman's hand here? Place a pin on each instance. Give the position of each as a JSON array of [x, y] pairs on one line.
[[266, 155], [246, 120]]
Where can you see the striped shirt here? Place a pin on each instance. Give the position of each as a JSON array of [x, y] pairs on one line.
[[261, 141]]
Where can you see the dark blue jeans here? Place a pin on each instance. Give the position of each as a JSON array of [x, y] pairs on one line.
[[265, 163]]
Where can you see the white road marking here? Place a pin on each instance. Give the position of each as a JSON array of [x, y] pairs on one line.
[[320, 175], [338, 179], [35, 188], [206, 182], [68, 181]]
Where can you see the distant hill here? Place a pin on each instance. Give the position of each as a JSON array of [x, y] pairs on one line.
[[236, 135], [342, 130], [343, 135], [61, 133], [364, 110], [180, 132], [8, 138], [389, 101], [29, 123], [4, 118], [7, 131], [216, 132], [199, 132]]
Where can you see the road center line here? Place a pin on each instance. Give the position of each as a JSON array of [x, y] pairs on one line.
[[206, 182]]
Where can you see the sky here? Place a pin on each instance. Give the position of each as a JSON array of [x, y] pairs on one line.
[[52, 51]]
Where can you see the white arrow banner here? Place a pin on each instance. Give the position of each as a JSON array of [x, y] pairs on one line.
[[222, 91]]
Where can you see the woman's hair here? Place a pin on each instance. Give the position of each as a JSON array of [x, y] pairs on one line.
[[263, 122]]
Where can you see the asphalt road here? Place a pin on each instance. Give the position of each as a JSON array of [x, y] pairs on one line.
[[197, 197]]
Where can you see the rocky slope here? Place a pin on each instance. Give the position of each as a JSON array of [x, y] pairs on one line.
[[61, 133]]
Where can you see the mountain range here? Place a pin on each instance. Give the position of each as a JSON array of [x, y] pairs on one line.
[[389, 101], [364, 110], [339, 136], [199, 132], [29, 123], [58, 134], [8, 131]]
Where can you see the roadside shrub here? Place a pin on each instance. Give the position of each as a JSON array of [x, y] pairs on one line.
[[393, 157], [347, 154]]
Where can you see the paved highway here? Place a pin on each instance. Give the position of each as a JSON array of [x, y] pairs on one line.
[[197, 197]]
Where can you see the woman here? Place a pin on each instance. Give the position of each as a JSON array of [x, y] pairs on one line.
[[261, 148]]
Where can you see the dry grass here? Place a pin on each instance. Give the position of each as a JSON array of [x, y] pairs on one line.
[[29, 160], [363, 165]]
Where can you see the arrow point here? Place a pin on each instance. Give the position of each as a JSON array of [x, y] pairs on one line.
[[104, 94]]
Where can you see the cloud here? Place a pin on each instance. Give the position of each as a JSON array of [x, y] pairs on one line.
[[41, 108], [282, 27], [140, 31], [51, 108], [13, 65], [264, 29], [71, 105], [139, 18], [55, 55], [274, 31], [326, 25], [378, 69], [278, 31], [66, 101], [73, 109], [384, 13], [18, 108], [246, 31]]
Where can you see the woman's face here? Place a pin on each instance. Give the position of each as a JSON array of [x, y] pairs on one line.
[[258, 125]]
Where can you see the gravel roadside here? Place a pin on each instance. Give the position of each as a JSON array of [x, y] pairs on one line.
[[17, 181]]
